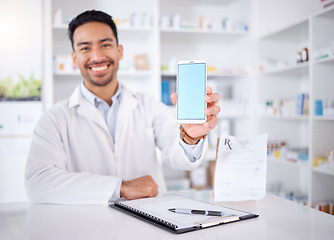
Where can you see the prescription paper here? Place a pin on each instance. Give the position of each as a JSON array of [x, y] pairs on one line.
[[241, 168]]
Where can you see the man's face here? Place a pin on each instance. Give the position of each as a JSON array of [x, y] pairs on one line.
[[96, 53]]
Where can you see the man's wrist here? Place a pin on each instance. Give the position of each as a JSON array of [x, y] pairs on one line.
[[188, 139]]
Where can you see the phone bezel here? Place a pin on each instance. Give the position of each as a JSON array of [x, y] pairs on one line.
[[190, 121]]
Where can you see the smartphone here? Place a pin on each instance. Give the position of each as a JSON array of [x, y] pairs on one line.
[[191, 90]]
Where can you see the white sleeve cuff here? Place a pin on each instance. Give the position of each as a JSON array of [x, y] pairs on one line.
[[117, 192], [193, 152]]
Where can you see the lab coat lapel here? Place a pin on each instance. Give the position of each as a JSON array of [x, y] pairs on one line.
[[128, 104], [86, 109]]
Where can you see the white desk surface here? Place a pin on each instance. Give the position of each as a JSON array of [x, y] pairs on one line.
[[279, 219]]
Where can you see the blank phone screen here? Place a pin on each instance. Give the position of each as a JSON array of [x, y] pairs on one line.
[[191, 91]]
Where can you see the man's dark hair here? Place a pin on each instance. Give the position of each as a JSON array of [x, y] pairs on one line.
[[91, 16]]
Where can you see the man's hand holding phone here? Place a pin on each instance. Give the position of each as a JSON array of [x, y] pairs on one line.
[[212, 110]]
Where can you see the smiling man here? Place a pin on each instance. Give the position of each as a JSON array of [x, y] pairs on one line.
[[97, 57], [100, 143]]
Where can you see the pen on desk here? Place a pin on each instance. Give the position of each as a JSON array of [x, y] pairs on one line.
[[194, 211]]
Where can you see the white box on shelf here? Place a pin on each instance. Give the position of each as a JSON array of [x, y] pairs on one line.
[[321, 53]]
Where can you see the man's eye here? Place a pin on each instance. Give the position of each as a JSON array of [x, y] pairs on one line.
[[106, 45], [84, 49]]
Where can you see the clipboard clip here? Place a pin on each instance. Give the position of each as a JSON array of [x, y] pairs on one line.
[[219, 221]]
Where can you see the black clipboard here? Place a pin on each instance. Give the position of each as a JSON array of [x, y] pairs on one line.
[[145, 209]]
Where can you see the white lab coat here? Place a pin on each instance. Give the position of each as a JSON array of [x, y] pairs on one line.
[[74, 160]]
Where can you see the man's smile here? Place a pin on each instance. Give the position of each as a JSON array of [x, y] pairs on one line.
[[99, 67]]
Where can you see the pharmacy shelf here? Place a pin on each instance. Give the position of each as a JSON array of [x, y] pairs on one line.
[[300, 68], [72, 73], [222, 115], [327, 13], [119, 28], [324, 60], [209, 74], [322, 171], [322, 128], [135, 73], [170, 30], [289, 31], [295, 117], [168, 74], [323, 118], [227, 75], [284, 162], [134, 29], [234, 116], [129, 73], [286, 80], [204, 31], [60, 26]]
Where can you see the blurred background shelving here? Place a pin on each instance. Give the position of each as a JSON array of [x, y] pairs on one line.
[[274, 75]]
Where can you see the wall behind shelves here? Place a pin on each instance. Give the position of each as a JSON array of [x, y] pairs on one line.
[[322, 187], [20, 39], [213, 10], [117, 9], [20, 54], [273, 14], [323, 80], [323, 132]]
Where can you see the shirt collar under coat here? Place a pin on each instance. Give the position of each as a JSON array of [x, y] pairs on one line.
[[93, 99], [86, 109]]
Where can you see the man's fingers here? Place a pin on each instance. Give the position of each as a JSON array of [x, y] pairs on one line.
[[208, 90], [212, 122], [212, 98], [214, 110], [173, 97]]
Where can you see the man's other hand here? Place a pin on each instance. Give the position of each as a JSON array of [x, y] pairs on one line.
[[139, 188]]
